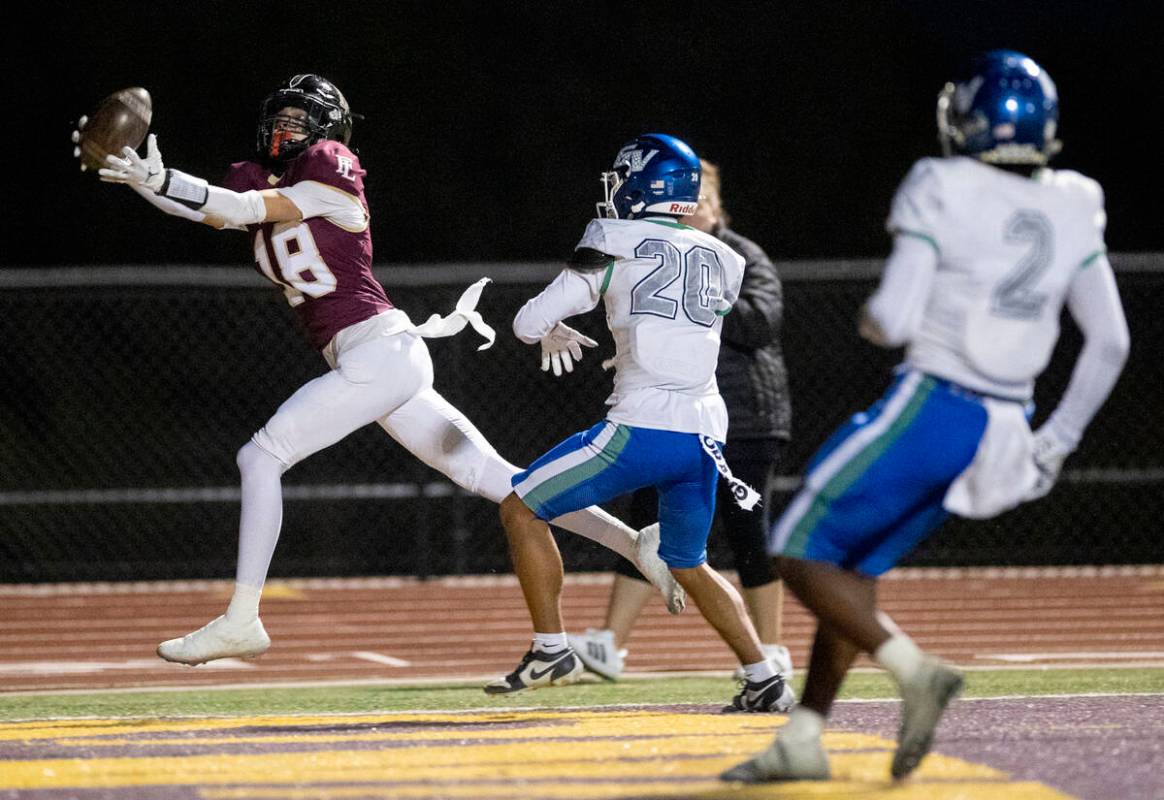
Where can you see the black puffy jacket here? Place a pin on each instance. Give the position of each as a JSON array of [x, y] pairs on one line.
[[751, 373]]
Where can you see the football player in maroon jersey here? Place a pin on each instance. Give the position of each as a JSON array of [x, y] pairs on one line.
[[302, 202]]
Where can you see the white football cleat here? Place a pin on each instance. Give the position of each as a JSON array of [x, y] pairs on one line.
[[219, 638], [924, 698], [599, 653], [784, 760], [656, 571]]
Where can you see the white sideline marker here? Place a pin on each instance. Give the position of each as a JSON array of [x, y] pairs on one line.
[[379, 658], [1024, 658]]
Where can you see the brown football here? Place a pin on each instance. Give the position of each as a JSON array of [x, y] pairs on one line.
[[122, 120]]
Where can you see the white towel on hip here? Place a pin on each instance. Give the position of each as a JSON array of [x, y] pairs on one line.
[[1002, 472], [436, 326]]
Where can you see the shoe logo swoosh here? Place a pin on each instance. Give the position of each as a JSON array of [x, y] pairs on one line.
[[535, 675]]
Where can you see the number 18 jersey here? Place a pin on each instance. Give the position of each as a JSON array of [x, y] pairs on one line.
[[323, 263], [1008, 249], [666, 294]]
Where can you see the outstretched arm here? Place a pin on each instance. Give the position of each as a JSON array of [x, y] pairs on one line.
[[540, 319], [183, 195]]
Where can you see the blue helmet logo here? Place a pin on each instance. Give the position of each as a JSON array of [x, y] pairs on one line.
[[1003, 110], [652, 174]]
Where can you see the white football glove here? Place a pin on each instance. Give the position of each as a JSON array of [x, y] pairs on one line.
[[133, 169], [81, 123], [562, 346], [1049, 453]]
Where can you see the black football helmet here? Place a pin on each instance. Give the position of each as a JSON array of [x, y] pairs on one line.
[[328, 117]]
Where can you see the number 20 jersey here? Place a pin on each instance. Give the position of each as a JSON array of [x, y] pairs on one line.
[[323, 264], [665, 295], [1008, 249]]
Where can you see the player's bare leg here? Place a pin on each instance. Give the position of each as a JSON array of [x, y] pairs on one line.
[[846, 605], [536, 562], [721, 605], [628, 597], [538, 565], [437, 433]]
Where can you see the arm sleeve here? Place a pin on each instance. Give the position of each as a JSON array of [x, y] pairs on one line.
[[167, 205], [896, 308], [570, 293], [314, 199], [758, 312], [1094, 303]]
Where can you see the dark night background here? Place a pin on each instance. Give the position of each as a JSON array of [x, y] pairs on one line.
[[488, 124]]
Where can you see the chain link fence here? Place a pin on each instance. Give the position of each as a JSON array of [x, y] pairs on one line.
[[125, 393]]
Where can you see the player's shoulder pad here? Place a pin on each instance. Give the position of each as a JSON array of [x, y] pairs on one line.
[[594, 237], [329, 162], [928, 174], [242, 176], [1078, 184]]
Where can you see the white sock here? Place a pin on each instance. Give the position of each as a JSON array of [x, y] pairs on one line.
[[550, 643], [900, 656], [760, 671], [261, 515], [803, 724], [244, 605], [598, 526]]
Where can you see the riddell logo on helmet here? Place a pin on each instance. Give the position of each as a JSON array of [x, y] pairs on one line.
[[683, 208]]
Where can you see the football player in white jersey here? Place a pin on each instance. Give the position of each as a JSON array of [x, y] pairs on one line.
[[989, 245], [666, 287]]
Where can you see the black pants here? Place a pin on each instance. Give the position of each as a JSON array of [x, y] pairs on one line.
[[754, 462]]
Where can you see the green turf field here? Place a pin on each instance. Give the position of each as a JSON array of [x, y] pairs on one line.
[[443, 696]]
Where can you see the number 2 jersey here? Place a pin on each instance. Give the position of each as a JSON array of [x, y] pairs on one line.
[[1008, 249], [323, 263], [666, 290]]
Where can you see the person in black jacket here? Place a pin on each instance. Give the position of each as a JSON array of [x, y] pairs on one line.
[[754, 384]]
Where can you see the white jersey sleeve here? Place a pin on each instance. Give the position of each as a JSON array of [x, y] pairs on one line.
[[570, 293], [316, 199], [1094, 303]]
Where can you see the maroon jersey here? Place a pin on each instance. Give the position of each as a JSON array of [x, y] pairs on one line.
[[324, 267]]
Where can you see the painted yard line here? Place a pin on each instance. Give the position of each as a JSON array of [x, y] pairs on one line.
[[1027, 657], [378, 658], [575, 578], [555, 710], [475, 681]]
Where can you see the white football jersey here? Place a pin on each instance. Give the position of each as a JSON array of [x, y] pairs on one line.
[[666, 295], [1008, 248]]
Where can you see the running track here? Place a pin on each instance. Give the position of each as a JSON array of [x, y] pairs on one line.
[[96, 636]]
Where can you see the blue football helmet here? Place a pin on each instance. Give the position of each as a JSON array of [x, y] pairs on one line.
[[652, 174], [1003, 110]]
